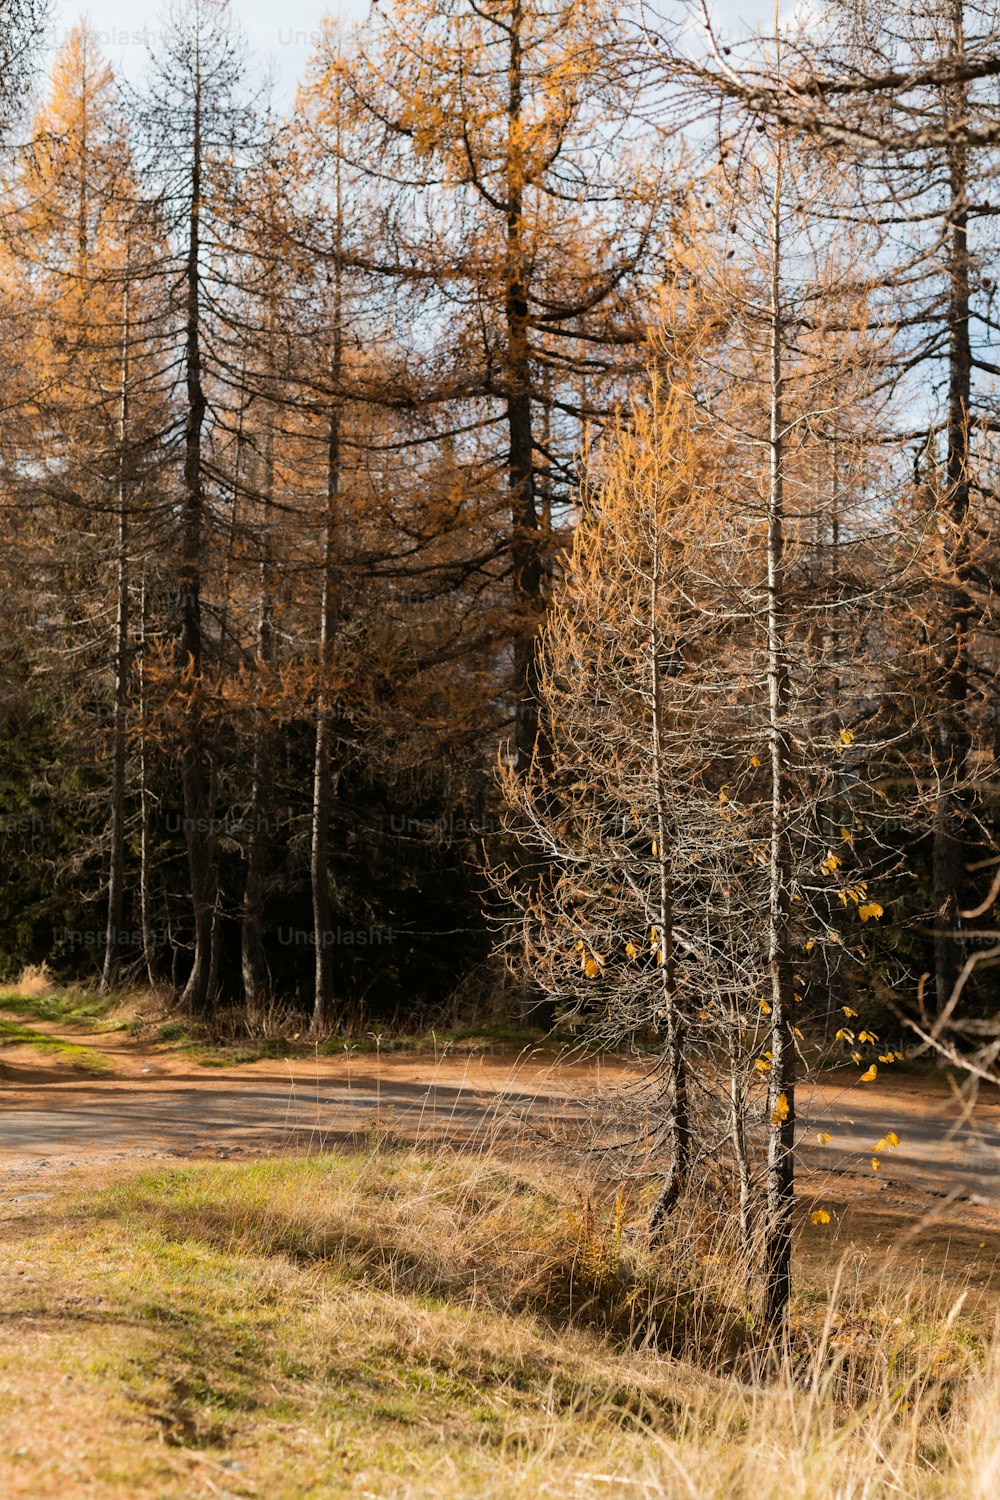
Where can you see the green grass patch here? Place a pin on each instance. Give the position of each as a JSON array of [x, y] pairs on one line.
[[83, 1059], [79, 1007]]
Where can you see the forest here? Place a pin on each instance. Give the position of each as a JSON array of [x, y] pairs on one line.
[[510, 541], [303, 415]]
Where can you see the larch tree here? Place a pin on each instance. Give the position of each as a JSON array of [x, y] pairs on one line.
[[908, 96], [84, 243], [197, 124], [691, 765], [520, 221]]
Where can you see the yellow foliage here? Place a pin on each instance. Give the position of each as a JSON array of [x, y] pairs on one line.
[[869, 1076], [819, 1216]]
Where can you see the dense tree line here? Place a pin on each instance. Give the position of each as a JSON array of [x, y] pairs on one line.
[[301, 415]]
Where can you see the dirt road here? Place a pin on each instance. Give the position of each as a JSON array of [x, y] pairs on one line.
[[151, 1104]]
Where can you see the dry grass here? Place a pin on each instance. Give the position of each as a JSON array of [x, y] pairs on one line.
[[393, 1324], [34, 980]]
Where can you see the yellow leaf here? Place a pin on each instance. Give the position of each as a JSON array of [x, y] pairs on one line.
[[875, 1163], [781, 1110], [631, 950], [832, 862], [819, 1216], [886, 1057], [635, 816], [867, 1036], [654, 849], [880, 1145], [762, 1066], [855, 1057], [824, 1138], [843, 1035], [796, 997], [846, 737], [848, 1011], [755, 761], [892, 1139], [870, 1075], [870, 909], [810, 945], [579, 946], [765, 1007], [591, 968]]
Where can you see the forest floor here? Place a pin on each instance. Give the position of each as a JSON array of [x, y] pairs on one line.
[[399, 1279]]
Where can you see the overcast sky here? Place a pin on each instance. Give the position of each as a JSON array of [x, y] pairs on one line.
[[280, 32]]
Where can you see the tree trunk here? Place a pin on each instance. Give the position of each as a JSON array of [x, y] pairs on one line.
[[145, 803], [116, 864], [320, 850], [669, 1022], [952, 740], [197, 994], [254, 963], [777, 1246], [526, 554]]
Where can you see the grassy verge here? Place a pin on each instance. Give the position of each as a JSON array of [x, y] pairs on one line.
[[388, 1324], [38, 997], [83, 1059]]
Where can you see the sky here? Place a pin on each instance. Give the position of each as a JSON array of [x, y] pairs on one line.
[[280, 33]]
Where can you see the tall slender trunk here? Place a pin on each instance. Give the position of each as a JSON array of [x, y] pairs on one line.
[[197, 994], [952, 740], [145, 802], [526, 552], [119, 729], [526, 540], [777, 1229], [669, 1021], [253, 960], [322, 791], [320, 852]]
